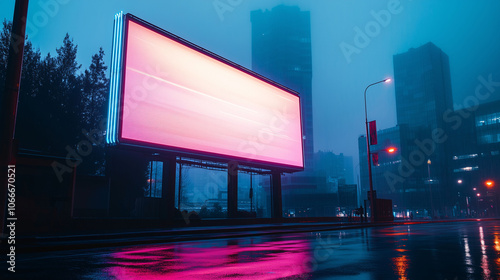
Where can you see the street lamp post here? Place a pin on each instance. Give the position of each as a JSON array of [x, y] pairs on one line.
[[372, 216]]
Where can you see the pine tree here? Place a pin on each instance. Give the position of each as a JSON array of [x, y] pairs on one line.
[[94, 99], [95, 91], [66, 86]]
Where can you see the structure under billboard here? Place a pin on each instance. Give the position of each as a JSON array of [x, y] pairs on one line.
[[171, 97]]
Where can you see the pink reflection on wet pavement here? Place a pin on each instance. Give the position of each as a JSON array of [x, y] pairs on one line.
[[222, 260]]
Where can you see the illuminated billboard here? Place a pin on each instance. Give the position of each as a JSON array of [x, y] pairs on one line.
[[168, 94]]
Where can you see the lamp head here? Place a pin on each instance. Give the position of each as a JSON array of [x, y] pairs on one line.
[[391, 150]]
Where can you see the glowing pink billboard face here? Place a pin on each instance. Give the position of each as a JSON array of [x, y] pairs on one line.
[[178, 97]]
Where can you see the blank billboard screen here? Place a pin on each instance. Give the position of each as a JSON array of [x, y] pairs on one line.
[[171, 95]]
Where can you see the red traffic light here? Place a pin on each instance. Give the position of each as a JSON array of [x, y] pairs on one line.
[[489, 183], [391, 150]]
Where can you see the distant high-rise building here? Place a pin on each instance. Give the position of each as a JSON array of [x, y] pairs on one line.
[[423, 87], [330, 164], [349, 170], [423, 95], [475, 160], [281, 51]]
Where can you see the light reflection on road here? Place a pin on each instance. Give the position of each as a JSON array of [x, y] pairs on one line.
[[223, 259], [465, 250]]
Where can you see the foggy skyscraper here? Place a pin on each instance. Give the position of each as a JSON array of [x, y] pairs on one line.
[[423, 95], [423, 87], [281, 51]]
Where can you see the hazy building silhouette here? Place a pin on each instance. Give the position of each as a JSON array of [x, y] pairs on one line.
[[281, 51], [423, 95], [423, 87], [331, 165], [348, 197], [349, 170]]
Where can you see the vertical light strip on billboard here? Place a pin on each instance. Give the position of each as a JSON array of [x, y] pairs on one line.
[[169, 94], [115, 78]]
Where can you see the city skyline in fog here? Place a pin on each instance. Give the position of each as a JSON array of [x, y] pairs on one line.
[[352, 46]]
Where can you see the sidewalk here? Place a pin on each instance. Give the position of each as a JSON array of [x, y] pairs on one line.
[[90, 241]]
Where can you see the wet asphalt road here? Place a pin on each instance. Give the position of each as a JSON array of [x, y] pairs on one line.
[[465, 250]]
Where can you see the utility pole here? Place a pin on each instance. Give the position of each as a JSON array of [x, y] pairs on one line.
[[10, 98]]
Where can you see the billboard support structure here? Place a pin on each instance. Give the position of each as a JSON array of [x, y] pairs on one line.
[[232, 189], [168, 189], [276, 199]]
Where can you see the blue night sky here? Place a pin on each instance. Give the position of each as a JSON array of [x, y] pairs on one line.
[[466, 30]]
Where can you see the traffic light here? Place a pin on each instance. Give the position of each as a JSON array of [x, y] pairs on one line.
[[489, 183], [391, 150]]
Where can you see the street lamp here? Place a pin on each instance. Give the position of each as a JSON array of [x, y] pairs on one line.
[[430, 185], [478, 195], [372, 216]]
